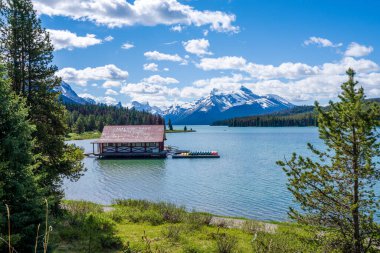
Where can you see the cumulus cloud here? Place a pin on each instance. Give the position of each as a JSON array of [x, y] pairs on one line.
[[177, 28], [111, 92], [127, 46], [101, 100], [321, 42], [119, 13], [108, 38], [83, 76], [151, 67], [111, 83], [155, 94], [197, 46], [287, 70], [297, 82], [64, 39], [157, 79], [222, 63], [357, 50], [157, 56]]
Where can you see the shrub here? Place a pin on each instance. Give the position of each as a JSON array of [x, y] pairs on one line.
[[225, 243], [173, 232], [197, 220]]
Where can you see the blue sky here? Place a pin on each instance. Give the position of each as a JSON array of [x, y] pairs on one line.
[[170, 51]]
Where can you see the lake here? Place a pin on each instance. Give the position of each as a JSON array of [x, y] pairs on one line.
[[244, 182]]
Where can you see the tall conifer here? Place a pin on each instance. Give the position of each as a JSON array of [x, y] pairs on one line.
[[337, 191], [28, 54], [18, 187]]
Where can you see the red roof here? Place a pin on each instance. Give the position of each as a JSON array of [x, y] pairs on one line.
[[132, 134]]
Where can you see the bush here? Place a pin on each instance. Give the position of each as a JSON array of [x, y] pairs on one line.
[[197, 220], [225, 243], [173, 232], [94, 231], [155, 213]]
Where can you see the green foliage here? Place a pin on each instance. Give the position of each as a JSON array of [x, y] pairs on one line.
[[85, 222], [337, 191], [299, 116], [84, 118], [155, 213], [18, 188], [28, 53], [170, 125], [225, 243]]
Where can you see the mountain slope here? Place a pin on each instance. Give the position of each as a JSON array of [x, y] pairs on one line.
[[220, 105], [69, 96]]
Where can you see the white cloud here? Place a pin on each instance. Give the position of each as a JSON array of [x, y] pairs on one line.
[[64, 39], [157, 79], [111, 83], [102, 100], [108, 38], [287, 70], [157, 56], [222, 63], [357, 50], [111, 92], [83, 76], [321, 42], [127, 46], [159, 95], [197, 46], [177, 28], [151, 67], [166, 69], [118, 13], [294, 81]]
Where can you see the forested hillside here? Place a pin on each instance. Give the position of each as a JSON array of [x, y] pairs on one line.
[[83, 118], [297, 116]]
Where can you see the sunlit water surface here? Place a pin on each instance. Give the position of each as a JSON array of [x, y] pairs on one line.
[[244, 182]]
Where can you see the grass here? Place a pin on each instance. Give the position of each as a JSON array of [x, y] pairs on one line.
[[83, 136], [133, 226]]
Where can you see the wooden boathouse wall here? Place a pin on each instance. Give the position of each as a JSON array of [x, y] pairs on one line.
[[131, 141]]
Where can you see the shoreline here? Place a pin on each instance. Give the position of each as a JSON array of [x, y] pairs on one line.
[[140, 225]]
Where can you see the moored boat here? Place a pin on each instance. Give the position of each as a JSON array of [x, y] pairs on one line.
[[197, 154]]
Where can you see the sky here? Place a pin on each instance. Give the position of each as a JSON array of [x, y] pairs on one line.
[[173, 51]]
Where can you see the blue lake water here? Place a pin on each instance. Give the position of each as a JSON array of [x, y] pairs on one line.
[[245, 181]]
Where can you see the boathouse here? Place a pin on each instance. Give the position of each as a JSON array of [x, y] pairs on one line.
[[131, 141]]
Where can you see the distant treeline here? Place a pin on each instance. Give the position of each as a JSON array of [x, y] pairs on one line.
[[298, 116], [84, 118]]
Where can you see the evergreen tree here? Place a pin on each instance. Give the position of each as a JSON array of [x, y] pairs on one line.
[[80, 125], [18, 188], [28, 53], [337, 191], [185, 128], [170, 125]]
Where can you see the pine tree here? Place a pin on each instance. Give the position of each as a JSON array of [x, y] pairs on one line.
[[170, 125], [185, 128], [28, 54], [18, 187], [337, 191]]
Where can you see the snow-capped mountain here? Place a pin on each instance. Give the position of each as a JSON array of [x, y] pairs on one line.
[[69, 96], [220, 105], [146, 107]]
